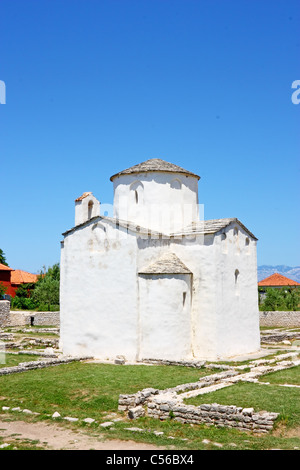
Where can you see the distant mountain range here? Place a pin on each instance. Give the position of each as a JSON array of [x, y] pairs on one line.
[[287, 271]]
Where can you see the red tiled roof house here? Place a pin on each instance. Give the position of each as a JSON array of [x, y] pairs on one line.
[[5, 276], [14, 278], [278, 280]]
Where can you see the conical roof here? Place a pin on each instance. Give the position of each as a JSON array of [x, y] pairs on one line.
[[154, 164]]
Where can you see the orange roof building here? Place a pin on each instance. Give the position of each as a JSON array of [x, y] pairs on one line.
[[278, 280], [22, 277], [5, 273], [14, 278], [3, 267]]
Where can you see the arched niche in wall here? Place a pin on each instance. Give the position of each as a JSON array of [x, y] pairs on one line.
[[176, 183], [90, 209], [224, 242], [136, 192], [236, 239], [236, 279], [247, 244]]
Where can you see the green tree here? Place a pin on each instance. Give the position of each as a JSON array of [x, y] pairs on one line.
[[2, 258], [281, 299], [46, 289], [273, 300], [3, 289], [23, 299], [293, 299]]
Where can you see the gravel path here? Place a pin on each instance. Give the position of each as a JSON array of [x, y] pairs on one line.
[[55, 437]]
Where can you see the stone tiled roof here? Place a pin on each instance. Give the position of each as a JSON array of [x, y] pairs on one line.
[[206, 227], [168, 263], [277, 280], [154, 164]]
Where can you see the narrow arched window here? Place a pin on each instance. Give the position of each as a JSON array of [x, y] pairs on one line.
[[90, 209], [237, 286], [137, 189]]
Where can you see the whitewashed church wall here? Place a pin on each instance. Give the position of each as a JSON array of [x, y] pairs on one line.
[[237, 316], [98, 285], [165, 316], [198, 255], [164, 202]]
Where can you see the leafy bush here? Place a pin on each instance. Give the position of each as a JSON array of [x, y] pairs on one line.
[[286, 298], [46, 291], [23, 303], [3, 289], [42, 295]]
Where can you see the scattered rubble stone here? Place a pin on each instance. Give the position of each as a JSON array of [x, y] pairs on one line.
[[69, 418], [89, 420], [136, 412]]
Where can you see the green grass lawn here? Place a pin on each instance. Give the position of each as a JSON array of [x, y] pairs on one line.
[[91, 390], [78, 389], [11, 360]]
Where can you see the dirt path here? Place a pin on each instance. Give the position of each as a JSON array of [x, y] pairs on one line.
[[55, 437]]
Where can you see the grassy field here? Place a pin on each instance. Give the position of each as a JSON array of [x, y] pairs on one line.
[[12, 360], [91, 390]]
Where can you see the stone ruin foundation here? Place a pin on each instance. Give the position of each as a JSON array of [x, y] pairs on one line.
[[169, 403]]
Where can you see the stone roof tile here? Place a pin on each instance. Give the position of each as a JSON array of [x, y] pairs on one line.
[[168, 263], [206, 227], [156, 165]]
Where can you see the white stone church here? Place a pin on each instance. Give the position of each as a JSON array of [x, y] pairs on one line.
[[151, 280]]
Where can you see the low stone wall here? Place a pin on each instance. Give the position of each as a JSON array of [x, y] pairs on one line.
[[277, 318], [24, 366], [170, 404], [18, 319], [46, 318], [244, 419], [25, 318], [166, 406], [4, 311]]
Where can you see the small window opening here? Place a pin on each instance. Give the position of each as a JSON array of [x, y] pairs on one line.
[[236, 275], [136, 196], [90, 209], [236, 231], [247, 241], [31, 321], [183, 298], [224, 236]]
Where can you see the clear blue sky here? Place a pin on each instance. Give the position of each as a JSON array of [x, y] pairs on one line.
[[95, 86]]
